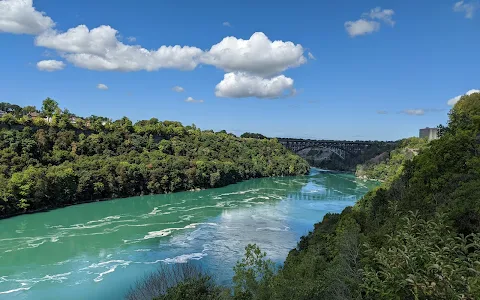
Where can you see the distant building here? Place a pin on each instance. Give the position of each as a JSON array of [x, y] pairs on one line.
[[2, 113], [34, 115], [429, 133]]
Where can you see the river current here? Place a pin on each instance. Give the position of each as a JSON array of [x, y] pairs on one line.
[[97, 250]]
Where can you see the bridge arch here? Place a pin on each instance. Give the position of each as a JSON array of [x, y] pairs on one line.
[[338, 151], [340, 148]]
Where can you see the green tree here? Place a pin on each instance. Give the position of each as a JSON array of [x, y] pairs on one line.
[[49, 107], [253, 274]]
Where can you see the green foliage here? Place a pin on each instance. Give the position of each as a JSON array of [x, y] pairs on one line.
[[423, 260], [388, 166], [57, 163], [177, 282], [49, 107], [253, 135], [195, 289], [253, 274]]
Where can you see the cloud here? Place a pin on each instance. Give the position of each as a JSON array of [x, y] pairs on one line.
[[258, 60], [454, 100], [384, 15], [310, 56], [257, 55], [20, 17], [227, 24], [191, 100], [382, 112], [361, 27], [178, 89], [414, 112], [367, 24], [467, 8], [99, 49], [102, 86], [50, 65], [242, 85]]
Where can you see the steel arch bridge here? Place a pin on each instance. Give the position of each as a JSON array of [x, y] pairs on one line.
[[340, 148]]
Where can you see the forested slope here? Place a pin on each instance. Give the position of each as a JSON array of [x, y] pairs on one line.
[[388, 165], [414, 238], [51, 158]]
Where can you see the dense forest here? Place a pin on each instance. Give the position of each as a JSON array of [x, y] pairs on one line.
[[415, 237], [51, 158], [389, 165]]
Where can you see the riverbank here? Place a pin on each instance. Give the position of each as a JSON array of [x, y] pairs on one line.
[[64, 205]]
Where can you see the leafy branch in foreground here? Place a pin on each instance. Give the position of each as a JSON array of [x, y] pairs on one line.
[[424, 260]]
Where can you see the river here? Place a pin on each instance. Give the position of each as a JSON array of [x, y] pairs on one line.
[[97, 250]]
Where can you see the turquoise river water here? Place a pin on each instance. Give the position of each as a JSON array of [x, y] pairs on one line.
[[98, 250]]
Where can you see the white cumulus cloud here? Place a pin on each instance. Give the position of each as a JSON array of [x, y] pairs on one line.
[[242, 85], [191, 100], [367, 24], [50, 65], [253, 65], [454, 100], [20, 17], [227, 24], [102, 86], [468, 8], [178, 89], [257, 55], [99, 49]]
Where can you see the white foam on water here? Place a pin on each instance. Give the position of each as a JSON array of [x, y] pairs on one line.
[[168, 231], [104, 263], [110, 265], [186, 217], [240, 192], [100, 276], [56, 277], [143, 250], [35, 245], [181, 259], [15, 290], [106, 219], [62, 262], [154, 211], [285, 228], [160, 233]]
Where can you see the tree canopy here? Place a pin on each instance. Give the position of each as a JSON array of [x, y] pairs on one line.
[[48, 164]]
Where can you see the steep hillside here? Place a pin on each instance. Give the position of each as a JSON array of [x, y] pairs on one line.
[[388, 165], [51, 158]]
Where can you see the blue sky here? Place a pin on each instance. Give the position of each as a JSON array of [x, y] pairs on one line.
[[404, 59]]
